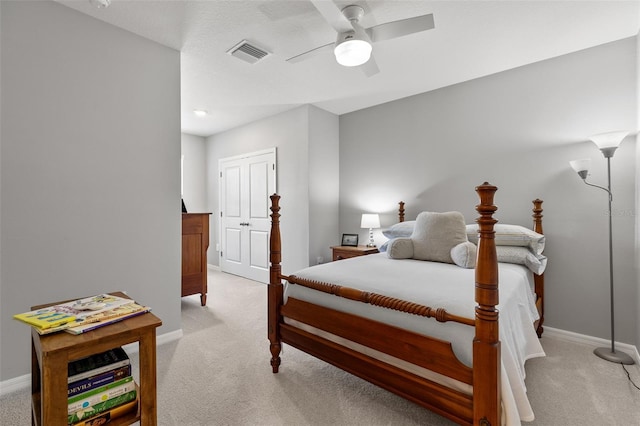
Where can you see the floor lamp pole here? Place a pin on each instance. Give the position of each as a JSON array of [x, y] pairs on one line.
[[606, 353]]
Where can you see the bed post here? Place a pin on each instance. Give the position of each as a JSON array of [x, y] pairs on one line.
[[539, 279], [401, 211], [275, 285], [486, 344]]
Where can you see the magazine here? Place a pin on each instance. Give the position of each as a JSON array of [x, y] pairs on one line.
[[71, 313], [105, 318]]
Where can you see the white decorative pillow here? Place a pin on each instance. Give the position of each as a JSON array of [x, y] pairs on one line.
[[522, 256], [400, 248], [435, 234], [400, 230], [464, 255], [511, 235]]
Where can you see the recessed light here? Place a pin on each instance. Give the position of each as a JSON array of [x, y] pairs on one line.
[[200, 112]]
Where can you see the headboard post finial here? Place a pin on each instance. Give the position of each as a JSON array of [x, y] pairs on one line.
[[537, 215], [401, 211]]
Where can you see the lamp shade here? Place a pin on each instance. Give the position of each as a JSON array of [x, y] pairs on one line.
[[370, 221], [353, 47], [581, 165], [609, 140]]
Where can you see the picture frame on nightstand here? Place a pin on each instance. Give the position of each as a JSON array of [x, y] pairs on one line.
[[350, 240]]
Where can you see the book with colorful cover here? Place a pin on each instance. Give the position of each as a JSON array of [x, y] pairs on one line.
[[71, 312], [96, 364], [108, 415], [43, 331], [105, 318], [86, 413], [102, 393], [93, 382]]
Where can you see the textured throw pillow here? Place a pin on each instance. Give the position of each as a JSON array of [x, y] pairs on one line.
[[435, 234], [464, 255], [511, 235], [400, 248], [522, 256]]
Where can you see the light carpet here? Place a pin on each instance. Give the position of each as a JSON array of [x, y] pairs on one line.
[[218, 373]]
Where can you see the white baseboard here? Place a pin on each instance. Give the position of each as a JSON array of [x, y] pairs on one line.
[[24, 382], [213, 267], [15, 384], [596, 342]]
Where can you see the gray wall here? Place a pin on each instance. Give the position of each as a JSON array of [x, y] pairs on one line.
[[194, 172], [324, 184], [305, 138], [90, 172], [518, 130], [637, 180]]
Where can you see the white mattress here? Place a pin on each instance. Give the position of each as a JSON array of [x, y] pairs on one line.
[[441, 285]]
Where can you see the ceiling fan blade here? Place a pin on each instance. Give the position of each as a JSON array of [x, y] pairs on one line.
[[311, 53], [401, 28], [370, 67], [332, 14]]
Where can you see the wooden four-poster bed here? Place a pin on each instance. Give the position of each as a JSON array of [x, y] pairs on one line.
[[461, 381]]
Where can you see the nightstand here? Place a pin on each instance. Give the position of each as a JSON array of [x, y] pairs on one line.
[[345, 252]]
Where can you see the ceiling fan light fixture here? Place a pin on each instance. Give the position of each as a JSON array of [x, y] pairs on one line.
[[351, 50]]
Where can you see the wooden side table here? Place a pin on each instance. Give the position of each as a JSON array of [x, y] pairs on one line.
[[345, 252], [51, 353]]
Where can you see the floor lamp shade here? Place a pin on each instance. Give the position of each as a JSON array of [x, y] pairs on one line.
[[608, 142]]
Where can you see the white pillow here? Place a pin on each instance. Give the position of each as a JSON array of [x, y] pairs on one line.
[[400, 230], [511, 235], [435, 234], [400, 248], [464, 255], [522, 256]]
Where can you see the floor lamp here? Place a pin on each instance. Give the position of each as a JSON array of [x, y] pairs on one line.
[[607, 143]]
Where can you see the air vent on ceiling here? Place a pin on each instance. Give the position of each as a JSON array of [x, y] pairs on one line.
[[247, 52]]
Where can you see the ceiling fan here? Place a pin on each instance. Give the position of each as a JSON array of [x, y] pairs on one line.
[[353, 46]]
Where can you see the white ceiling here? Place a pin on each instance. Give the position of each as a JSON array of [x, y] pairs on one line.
[[471, 39]]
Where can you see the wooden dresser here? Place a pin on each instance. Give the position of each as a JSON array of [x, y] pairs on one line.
[[195, 242]]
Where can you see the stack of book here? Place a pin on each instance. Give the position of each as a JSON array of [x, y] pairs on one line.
[[100, 388], [82, 315]]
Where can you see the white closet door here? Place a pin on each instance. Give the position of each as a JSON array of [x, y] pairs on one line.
[[246, 182]]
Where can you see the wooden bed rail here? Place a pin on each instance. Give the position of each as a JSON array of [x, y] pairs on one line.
[[440, 314]]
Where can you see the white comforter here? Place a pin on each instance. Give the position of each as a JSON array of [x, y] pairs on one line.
[[441, 285]]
